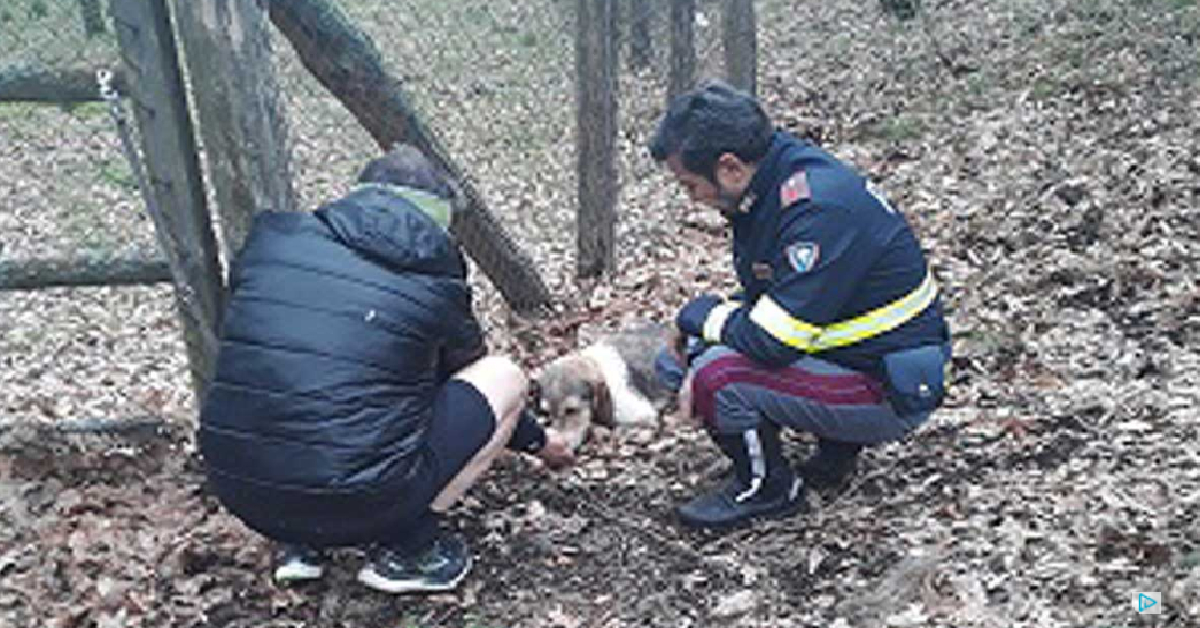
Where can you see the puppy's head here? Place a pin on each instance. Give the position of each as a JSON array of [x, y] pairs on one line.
[[572, 392]]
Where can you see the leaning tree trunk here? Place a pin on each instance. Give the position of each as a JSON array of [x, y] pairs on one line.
[[682, 73], [596, 106], [641, 20], [346, 61], [741, 44]]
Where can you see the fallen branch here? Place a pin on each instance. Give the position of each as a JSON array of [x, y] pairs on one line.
[[36, 83]]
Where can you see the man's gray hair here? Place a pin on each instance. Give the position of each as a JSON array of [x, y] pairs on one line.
[[406, 166]]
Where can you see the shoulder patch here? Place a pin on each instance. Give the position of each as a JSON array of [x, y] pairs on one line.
[[794, 190], [803, 256]]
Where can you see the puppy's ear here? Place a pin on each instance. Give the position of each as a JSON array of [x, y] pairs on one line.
[[602, 406]]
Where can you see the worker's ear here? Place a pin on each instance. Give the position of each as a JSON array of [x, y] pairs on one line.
[[733, 173]]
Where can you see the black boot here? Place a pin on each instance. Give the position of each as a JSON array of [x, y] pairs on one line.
[[763, 484], [833, 464]]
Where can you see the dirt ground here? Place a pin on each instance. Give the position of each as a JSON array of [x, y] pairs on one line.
[[1045, 150]]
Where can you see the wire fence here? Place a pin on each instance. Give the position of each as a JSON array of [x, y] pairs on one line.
[[494, 81]]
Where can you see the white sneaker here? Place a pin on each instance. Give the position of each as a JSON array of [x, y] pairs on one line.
[[298, 563]]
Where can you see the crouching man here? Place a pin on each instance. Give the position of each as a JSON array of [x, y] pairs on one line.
[[353, 400], [838, 330]]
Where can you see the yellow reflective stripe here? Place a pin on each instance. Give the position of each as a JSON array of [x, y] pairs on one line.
[[715, 323], [776, 321], [879, 320]]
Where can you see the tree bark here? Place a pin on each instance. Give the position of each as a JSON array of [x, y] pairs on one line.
[[902, 9], [346, 61], [596, 108], [241, 119], [93, 17], [76, 272], [173, 185], [741, 44], [682, 73], [641, 20], [37, 83]]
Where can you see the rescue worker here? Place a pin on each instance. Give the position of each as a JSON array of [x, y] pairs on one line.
[[838, 330], [353, 400]]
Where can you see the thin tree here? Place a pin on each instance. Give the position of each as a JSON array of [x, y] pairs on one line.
[[740, 39], [93, 17], [902, 9], [596, 107], [641, 21], [682, 73]]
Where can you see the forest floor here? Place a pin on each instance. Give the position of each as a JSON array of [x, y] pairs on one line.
[[1045, 150]]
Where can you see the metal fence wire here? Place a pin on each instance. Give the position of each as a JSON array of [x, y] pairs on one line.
[[494, 81]]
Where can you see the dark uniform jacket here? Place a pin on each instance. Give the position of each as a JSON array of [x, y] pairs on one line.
[[341, 326], [828, 268]]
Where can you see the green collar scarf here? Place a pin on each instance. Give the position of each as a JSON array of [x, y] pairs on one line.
[[432, 205]]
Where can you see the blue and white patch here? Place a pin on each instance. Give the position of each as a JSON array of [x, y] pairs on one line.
[[803, 256]]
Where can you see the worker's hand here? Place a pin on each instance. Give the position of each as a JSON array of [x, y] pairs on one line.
[[690, 319], [677, 345], [685, 413], [556, 453]]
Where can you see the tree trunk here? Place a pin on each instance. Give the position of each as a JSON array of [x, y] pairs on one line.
[[36, 83], [346, 62], [93, 17], [682, 73], [741, 44], [55, 273], [641, 20], [172, 185], [596, 108], [241, 119], [902, 9]]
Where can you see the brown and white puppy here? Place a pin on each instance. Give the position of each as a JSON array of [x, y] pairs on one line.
[[610, 383]]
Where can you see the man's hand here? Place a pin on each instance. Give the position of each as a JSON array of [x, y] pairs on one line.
[[677, 344], [690, 319], [556, 453]]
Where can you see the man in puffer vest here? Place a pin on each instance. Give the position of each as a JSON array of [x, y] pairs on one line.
[[838, 329], [353, 400]]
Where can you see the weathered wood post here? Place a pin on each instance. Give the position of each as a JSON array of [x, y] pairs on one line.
[[596, 129], [241, 122], [175, 188]]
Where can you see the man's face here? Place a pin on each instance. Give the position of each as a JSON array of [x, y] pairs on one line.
[[724, 194]]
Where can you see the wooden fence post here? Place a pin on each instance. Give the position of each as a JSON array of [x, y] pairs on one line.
[[175, 185], [241, 121]]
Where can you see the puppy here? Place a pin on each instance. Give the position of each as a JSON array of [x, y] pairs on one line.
[[610, 383]]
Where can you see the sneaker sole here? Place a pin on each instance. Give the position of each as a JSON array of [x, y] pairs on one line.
[[369, 578], [298, 573], [791, 509]]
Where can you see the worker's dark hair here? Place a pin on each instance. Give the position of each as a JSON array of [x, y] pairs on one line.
[[709, 121], [405, 165]]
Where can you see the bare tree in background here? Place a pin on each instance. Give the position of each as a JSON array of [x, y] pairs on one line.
[[740, 39], [682, 73], [902, 9], [596, 106], [641, 21], [93, 17]]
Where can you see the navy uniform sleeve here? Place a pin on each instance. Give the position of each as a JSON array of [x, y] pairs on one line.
[[822, 256]]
